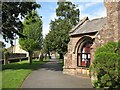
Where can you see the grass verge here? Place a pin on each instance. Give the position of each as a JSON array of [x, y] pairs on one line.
[[14, 74]]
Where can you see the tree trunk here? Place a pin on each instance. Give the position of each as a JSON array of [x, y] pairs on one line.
[[61, 56], [45, 56], [49, 55], [6, 56], [30, 57], [41, 57]]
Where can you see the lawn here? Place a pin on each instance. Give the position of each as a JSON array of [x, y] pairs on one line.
[[15, 73]]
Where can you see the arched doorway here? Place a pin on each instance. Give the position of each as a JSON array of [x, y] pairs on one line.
[[83, 52]]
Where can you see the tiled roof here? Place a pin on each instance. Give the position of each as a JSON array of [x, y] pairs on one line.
[[89, 26]]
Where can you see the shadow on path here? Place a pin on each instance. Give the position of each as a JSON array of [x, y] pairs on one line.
[[50, 76], [53, 65]]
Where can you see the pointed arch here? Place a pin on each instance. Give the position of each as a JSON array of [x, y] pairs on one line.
[[82, 39], [82, 49]]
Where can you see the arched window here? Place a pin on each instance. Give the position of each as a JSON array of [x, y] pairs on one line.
[[83, 55]]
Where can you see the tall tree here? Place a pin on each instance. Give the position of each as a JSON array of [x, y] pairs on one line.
[[69, 11], [60, 35], [12, 13], [68, 17], [33, 32], [47, 45]]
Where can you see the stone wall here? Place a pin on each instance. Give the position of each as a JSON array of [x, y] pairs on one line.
[[113, 16], [70, 59], [110, 31]]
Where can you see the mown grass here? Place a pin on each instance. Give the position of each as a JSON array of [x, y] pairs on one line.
[[14, 74]]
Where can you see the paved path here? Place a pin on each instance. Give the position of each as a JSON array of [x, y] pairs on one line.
[[50, 76]]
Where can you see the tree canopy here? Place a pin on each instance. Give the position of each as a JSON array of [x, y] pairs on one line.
[[12, 13], [33, 31], [69, 11], [58, 37]]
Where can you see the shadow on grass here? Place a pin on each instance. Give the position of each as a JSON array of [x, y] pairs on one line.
[[24, 65], [53, 65]]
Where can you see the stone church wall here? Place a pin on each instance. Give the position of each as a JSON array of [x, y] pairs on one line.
[[109, 32]]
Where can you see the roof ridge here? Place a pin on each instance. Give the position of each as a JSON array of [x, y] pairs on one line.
[[98, 18]]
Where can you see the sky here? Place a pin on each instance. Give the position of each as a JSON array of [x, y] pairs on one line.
[[91, 8]]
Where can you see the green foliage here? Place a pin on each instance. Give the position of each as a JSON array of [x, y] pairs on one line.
[[12, 13], [68, 10], [33, 32], [106, 66], [110, 47], [58, 38]]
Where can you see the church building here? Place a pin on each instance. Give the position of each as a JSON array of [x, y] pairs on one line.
[[89, 35]]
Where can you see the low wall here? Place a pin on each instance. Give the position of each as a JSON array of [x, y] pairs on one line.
[[17, 55], [13, 57], [79, 71]]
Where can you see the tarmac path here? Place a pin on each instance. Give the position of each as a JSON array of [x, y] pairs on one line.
[[50, 76]]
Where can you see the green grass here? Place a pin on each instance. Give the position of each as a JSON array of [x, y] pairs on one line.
[[14, 74]]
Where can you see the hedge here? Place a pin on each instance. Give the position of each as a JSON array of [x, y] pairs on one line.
[[106, 66]]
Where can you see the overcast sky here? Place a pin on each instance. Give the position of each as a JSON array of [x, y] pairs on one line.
[[93, 9]]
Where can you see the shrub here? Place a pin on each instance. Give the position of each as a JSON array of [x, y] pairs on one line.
[[106, 66]]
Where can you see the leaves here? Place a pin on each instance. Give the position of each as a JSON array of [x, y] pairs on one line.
[[67, 10], [12, 13], [106, 65], [58, 37], [33, 33]]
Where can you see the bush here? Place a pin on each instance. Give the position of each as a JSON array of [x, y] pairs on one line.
[[106, 66]]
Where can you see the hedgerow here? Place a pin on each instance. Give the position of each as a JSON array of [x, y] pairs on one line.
[[106, 66]]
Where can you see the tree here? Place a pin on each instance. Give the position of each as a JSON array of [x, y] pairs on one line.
[[68, 17], [69, 11], [33, 32], [48, 44], [12, 13], [61, 36]]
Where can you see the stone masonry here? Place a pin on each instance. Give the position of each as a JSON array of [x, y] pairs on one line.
[[109, 32]]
